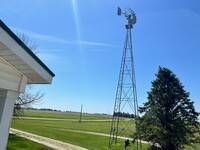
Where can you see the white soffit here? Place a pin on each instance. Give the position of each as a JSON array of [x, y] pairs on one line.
[[18, 55]]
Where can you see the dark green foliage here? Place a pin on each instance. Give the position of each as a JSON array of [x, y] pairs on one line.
[[169, 117], [123, 114]]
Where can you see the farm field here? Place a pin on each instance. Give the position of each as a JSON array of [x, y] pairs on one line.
[[65, 115], [71, 131]]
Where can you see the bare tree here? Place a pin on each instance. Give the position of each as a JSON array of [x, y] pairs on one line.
[[29, 97], [32, 45]]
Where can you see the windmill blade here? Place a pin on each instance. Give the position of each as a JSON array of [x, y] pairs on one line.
[[119, 11]]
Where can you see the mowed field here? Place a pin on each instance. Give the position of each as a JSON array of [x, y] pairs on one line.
[[66, 127]]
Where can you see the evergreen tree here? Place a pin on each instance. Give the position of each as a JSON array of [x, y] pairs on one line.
[[169, 118]]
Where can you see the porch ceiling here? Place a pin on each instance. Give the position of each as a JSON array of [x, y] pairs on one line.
[[17, 54]]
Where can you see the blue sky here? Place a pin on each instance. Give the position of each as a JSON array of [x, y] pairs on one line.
[[81, 41]]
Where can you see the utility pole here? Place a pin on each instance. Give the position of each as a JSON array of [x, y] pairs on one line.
[[81, 113]]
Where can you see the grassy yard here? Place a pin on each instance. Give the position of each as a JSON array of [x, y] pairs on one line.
[[27, 124], [63, 129], [59, 130], [19, 143]]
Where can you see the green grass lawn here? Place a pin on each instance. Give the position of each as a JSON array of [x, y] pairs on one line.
[[26, 124], [18, 143], [59, 129]]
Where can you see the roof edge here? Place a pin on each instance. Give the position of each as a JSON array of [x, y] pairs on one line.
[[2, 24]]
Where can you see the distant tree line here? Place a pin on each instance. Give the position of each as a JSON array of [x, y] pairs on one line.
[[123, 114], [44, 109]]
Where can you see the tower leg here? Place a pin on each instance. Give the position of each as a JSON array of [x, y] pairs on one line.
[[125, 108]]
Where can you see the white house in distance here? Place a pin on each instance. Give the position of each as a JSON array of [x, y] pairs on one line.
[[18, 66]]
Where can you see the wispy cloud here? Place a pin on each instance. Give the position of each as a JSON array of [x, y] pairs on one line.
[[193, 12], [49, 38], [100, 50], [50, 50], [77, 18], [90, 43], [48, 57], [43, 37]]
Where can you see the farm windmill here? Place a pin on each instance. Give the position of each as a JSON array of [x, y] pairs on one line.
[[126, 105]]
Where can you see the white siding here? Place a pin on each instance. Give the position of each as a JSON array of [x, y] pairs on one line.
[[10, 78]]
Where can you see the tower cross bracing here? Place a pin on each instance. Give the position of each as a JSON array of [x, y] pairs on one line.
[[126, 105]]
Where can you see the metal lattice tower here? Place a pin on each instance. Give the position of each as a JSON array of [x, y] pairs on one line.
[[126, 105]]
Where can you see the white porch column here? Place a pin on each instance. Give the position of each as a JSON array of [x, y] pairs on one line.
[[7, 100]]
